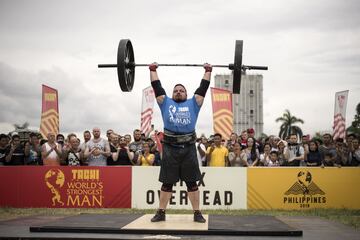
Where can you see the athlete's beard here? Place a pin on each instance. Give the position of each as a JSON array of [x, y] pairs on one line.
[[179, 100], [176, 99]]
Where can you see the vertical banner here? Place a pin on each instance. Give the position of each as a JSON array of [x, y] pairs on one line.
[[340, 114], [50, 111], [222, 111], [148, 99]]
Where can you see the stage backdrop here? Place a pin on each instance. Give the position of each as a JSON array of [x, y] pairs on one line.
[[303, 188], [220, 188], [65, 187]]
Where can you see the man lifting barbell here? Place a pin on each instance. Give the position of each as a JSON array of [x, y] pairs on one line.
[[179, 153]]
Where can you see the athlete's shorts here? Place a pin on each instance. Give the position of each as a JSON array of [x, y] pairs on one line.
[[179, 162]]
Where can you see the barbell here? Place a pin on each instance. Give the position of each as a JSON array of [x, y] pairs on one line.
[[126, 65]]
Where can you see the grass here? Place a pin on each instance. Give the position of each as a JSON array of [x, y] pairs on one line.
[[345, 216]]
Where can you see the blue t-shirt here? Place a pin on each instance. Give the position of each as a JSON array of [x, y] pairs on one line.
[[179, 117]]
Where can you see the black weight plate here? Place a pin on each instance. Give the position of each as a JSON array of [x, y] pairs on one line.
[[126, 74], [237, 66]]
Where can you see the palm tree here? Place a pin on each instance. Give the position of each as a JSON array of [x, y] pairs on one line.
[[287, 127]]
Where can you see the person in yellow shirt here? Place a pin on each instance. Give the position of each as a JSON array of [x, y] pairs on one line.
[[146, 158], [217, 154]]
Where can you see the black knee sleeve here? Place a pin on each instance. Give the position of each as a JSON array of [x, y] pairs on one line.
[[191, 186], [166, 187]]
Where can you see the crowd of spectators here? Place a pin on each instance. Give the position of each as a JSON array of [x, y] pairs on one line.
[[213, 151]]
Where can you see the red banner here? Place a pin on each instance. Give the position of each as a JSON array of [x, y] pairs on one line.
[[49, 112], [222, 112], [65, 187]]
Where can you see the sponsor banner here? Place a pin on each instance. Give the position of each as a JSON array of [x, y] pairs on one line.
[[339, 126], [50, 111], [222, 112], [148, 99], [65, 187], [303, 188], [220, 188]]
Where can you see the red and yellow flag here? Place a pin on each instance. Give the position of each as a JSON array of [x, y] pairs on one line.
[[49, 112], [222, 112]]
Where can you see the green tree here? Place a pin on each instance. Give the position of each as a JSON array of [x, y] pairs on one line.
[[355, 125], [288, 125]]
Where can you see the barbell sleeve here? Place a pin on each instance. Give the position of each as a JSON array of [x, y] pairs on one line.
[[255, 67], [107, 65]]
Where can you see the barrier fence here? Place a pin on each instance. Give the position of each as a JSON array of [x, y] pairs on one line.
[[220, 188]]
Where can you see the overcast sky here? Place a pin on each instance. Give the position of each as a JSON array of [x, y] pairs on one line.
[[312, 49]]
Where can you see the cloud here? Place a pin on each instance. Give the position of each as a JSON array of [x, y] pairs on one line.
[[312, 50], [80, 107]]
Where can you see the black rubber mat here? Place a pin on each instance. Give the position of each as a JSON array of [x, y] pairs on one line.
[[218, 225]]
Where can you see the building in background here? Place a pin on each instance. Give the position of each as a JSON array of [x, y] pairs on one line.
[[248, 105]]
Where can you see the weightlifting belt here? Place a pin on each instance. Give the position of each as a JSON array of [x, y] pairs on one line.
[[179, 139]]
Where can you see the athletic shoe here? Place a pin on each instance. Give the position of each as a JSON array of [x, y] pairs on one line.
[[159, 216], [198, 217]]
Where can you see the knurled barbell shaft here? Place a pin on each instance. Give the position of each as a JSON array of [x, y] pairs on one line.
[[230, 66], [161, 65]]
